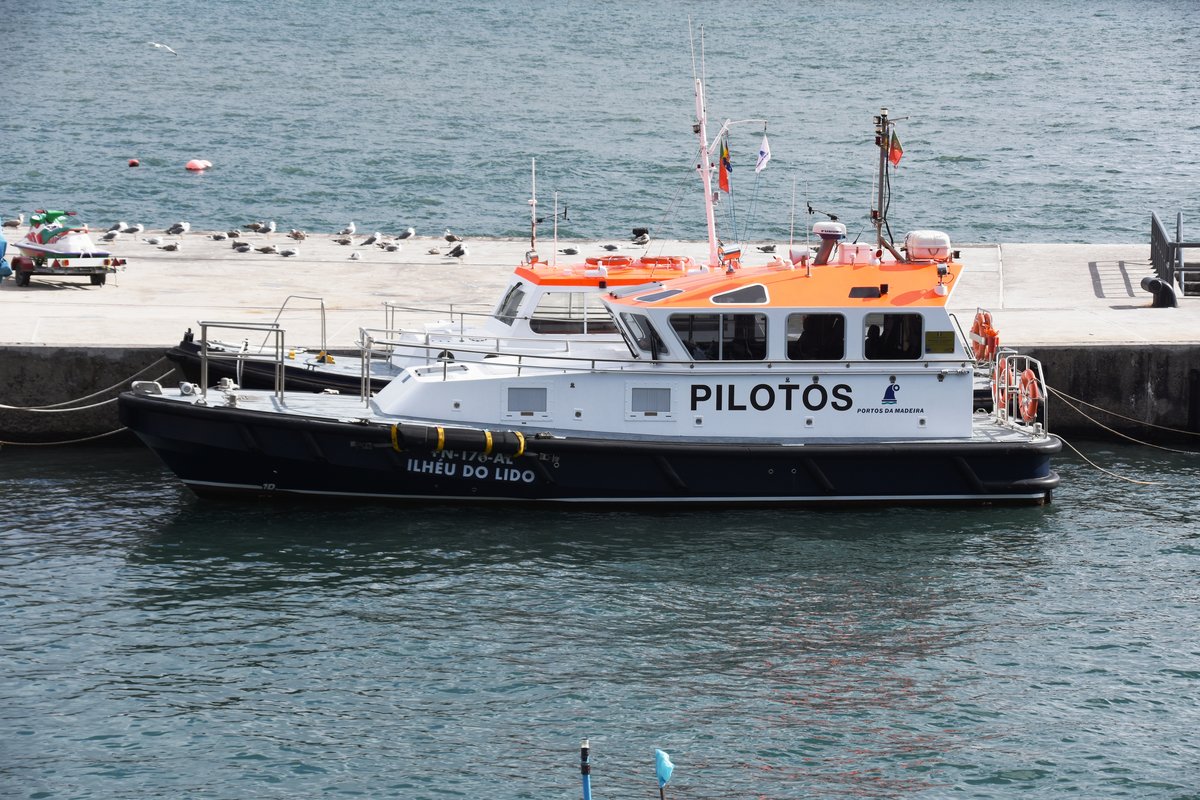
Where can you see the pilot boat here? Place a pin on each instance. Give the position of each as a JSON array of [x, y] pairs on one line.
[[832, 377]]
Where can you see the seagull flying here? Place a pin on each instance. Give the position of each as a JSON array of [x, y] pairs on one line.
[[158, 46]]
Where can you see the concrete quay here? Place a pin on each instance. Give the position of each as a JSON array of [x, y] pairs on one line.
[[1077, 307]]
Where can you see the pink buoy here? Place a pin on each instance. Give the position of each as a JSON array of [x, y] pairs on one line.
[[198, 165], [133, 162]]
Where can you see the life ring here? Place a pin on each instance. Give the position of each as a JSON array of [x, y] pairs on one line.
[[1029, 393], [1000, 386], [984, 337], [610, 261], [674, 262]]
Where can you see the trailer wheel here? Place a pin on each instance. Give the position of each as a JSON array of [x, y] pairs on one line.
[[98, 280], [23, 278]]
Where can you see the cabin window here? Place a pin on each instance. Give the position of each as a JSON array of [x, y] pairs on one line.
[[816, 337], [643, 334], [559, 313], [646, 401], [527, 401], [892, 336], [506, 311], [722, 337]]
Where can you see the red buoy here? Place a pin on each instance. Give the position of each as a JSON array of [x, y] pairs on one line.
[[133, 162], [198, 165]]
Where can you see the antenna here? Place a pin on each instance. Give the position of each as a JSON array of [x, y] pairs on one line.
[[533, 208]]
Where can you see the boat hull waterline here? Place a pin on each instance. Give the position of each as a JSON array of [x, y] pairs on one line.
[[222, 451]]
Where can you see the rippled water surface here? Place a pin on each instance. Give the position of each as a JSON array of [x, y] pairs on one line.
[[1024, 121], [155, 645]]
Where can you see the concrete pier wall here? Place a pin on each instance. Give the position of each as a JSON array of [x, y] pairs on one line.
[[1157, 384], [38, 376]]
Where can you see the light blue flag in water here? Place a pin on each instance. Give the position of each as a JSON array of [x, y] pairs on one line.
[[663, 766]]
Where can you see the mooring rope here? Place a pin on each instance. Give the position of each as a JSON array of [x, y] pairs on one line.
[[1061, 393], [57, 408], [65, 441], [1110, 473], [1064, 398]]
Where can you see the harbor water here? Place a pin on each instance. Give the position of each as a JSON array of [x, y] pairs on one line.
[[157, 645], [1020, 121]]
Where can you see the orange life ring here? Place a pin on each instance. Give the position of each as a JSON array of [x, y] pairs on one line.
[[1029, 393], [674, 262], [984, 338], [610, 261], [1000, 386]]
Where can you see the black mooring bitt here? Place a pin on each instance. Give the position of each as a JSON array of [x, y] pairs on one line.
[[1164, 293]]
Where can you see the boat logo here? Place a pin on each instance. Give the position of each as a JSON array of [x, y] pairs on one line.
[[889, 394]]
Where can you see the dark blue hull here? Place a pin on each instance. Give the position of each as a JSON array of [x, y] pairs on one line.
[[228, 450]]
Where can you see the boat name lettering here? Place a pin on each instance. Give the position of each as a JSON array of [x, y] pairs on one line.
[[764, 396], [482, 472]]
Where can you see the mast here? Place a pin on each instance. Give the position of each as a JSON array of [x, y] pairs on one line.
[[705, 169], [533, 208], [883, 140]]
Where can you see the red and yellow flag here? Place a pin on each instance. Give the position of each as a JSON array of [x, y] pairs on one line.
[[725, 166]]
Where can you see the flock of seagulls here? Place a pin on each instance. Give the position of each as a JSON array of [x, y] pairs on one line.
[[455, 247]]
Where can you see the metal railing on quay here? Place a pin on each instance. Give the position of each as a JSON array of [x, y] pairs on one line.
[[1167, 255]]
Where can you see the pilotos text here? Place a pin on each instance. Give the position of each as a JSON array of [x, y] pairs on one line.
[[764, 397]]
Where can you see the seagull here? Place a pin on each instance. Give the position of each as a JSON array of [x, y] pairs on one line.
[[372, 239], [433, 251], [242, 247], [138, 228], [288, 251], [233, 233], [391, 247], [236, 244], [153, 240], [220, 237], [111, 236], [267, 249], [298, 235], [254, 226], [408, 234], [569, 251], [342, 240], [609, 247], [158, 46], [348, 230], [355, 256], [170, 247], [766, 248], [644, 239], [269, 228], [15, 223], [458, 251], [120, 226], [450, 237], [179, 228]]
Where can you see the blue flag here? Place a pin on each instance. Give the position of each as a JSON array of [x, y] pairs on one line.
[[663, 766]]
